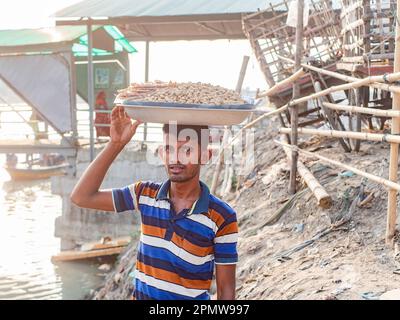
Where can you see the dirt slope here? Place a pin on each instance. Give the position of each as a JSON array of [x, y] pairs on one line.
[[350, 261]]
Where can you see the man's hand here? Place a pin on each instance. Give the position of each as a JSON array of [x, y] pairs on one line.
[[122, 127], [86, 192]]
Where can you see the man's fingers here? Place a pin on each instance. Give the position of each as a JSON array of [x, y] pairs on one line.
[[114, 113], [121, 112], [137, 122]]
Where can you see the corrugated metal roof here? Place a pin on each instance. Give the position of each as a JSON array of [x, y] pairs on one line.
[[25, 37], [157, 8]]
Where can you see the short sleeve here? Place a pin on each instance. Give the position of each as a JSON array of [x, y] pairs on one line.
[[126, 198], [225, 241]]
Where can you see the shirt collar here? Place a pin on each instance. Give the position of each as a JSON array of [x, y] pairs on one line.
[[199, 206]]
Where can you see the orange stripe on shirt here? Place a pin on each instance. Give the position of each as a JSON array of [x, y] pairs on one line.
[[216, 217], [153, 231], [228, 229], [190, 247], [149, 192], [172, 277]]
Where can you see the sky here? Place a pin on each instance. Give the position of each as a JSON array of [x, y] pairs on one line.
[[19, 14], [215, 62]]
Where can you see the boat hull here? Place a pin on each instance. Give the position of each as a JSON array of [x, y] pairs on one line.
[[19, 174]]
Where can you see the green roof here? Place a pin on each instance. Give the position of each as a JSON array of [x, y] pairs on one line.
[[63, 34], [121, 43]]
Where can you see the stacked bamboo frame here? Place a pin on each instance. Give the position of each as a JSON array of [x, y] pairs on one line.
[[367, 33], [270, 37], [370, 34]]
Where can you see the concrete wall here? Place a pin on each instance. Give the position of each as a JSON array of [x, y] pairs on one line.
[[77, 225]]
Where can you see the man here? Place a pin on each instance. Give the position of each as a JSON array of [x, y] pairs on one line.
[[185, 230]]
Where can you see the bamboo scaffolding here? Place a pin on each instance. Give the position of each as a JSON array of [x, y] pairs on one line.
[[261, 29], [354, 45], [347, 134], [373, 81], [371, 111], [392, 77], [273, 90], [350, 8], [323, 198], [387, 183], [352, 25], [394, 148], [357, 59]]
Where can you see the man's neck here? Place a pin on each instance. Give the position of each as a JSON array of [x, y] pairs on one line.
[[188, 190]]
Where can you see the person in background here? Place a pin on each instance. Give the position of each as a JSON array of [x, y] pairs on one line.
[[11, 160], [102, 118]]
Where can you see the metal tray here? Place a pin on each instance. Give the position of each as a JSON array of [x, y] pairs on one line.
[[194, 114]]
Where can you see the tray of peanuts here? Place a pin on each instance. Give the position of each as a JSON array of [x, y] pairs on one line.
[[184, 103]]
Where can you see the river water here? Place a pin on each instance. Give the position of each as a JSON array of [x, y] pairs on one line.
[[27, 214]]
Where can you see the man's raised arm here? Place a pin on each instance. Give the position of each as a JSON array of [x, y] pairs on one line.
[[86, 193]]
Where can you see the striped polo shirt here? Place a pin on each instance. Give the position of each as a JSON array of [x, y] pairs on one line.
[[177, 250]]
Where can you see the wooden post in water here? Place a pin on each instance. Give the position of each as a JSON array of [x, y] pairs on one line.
[[394, 147], [296, 93]]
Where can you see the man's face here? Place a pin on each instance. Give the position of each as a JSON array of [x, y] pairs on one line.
[[181, 157]]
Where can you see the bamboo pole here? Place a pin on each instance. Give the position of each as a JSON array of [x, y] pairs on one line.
[[294, 114], [347, 134], [371, 111], [394, 148], [352, 25], [323, 198], [373, 81], [391, 77], [242, 73], [387, 183], [335, 123], [273, 90], [252, 123], [218, 166]]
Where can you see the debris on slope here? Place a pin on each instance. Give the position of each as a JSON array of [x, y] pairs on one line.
[[311, 252]]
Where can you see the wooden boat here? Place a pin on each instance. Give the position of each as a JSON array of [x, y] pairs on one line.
[[35, 172], [106, 247]]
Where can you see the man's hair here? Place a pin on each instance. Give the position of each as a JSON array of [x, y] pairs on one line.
[[198, 129]]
